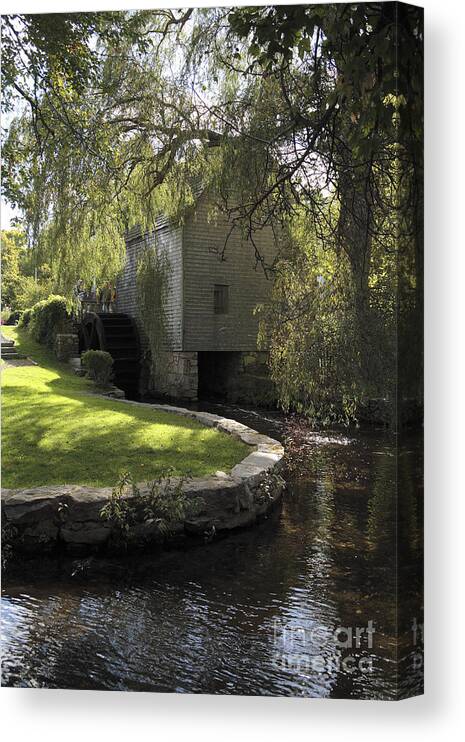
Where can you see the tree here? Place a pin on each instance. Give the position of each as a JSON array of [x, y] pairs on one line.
[[25, 280], [368, 133], [12, 244], [279, 110]]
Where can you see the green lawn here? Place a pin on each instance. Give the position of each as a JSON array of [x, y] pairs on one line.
[[55, 432]]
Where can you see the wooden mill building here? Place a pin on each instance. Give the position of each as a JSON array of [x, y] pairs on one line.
[[211, 325]]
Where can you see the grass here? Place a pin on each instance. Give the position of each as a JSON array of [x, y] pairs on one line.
[[56, 432]]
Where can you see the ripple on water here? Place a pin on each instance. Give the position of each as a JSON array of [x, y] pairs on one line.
[[252, 614]]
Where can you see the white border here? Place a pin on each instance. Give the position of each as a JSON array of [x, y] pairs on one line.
[[53, 715]]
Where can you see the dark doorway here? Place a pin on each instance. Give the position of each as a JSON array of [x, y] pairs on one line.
[[217, 371]]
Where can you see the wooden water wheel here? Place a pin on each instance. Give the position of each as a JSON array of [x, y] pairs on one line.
[[117, 335]]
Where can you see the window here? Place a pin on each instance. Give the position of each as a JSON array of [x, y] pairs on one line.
[[221, 299]]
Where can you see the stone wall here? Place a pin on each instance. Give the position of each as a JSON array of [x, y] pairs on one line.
[[66, 346], [173, 375], [251, 383], [68, 517], [236, 377]]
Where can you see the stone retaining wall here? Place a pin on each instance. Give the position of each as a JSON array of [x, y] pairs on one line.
[[66, 346], [67, 517], [178, 377]]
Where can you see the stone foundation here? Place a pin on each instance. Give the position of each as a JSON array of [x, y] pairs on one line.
[[66, 346], [236, 377], [175, 375], [251, 384], [68, 517]]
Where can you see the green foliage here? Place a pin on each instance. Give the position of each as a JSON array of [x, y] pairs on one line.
[[29, 292], [281, 111], [165, 502], [119, 511], [20, 289], [48, 318], [11, 241], [162, 503], [152, 283], [351, 38], [5, 315], [41, 52], [79, 170], [25, 318], [98, 365], [328, 353]]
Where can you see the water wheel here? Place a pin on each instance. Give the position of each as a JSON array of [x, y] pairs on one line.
[[117, 335]]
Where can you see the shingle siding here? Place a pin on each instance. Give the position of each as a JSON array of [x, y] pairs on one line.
[[248, 286], [167, 240], [194, 270]]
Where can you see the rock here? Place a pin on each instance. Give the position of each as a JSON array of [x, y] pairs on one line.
[[114, 392], [75, 363], [88, 533], [66, 345], [45, 517]]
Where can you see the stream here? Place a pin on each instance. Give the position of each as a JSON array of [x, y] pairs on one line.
[[304, 604]]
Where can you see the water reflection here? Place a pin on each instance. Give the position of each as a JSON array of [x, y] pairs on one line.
[[255, 613]]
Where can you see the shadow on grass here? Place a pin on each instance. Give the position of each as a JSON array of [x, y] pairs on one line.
[[57, 432], [85, 440]]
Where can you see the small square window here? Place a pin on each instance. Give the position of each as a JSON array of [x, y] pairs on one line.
[[221, 299]]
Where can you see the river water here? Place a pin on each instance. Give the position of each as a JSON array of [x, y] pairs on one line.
[[303, 604]]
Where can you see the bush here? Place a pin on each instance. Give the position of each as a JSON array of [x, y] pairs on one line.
[[14, 317], [48, 318], [25, 318], [99, 366], [163, 504]]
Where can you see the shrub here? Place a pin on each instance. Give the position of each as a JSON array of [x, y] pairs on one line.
[[48, 318], [99, 366], [14, 317], [9, 316], [162, 504], [25, 318]]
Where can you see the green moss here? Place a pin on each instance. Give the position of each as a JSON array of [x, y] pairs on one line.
[[55, 431]]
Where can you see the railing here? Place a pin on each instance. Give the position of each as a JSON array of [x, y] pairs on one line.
[[90, 304], [93, 305]]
